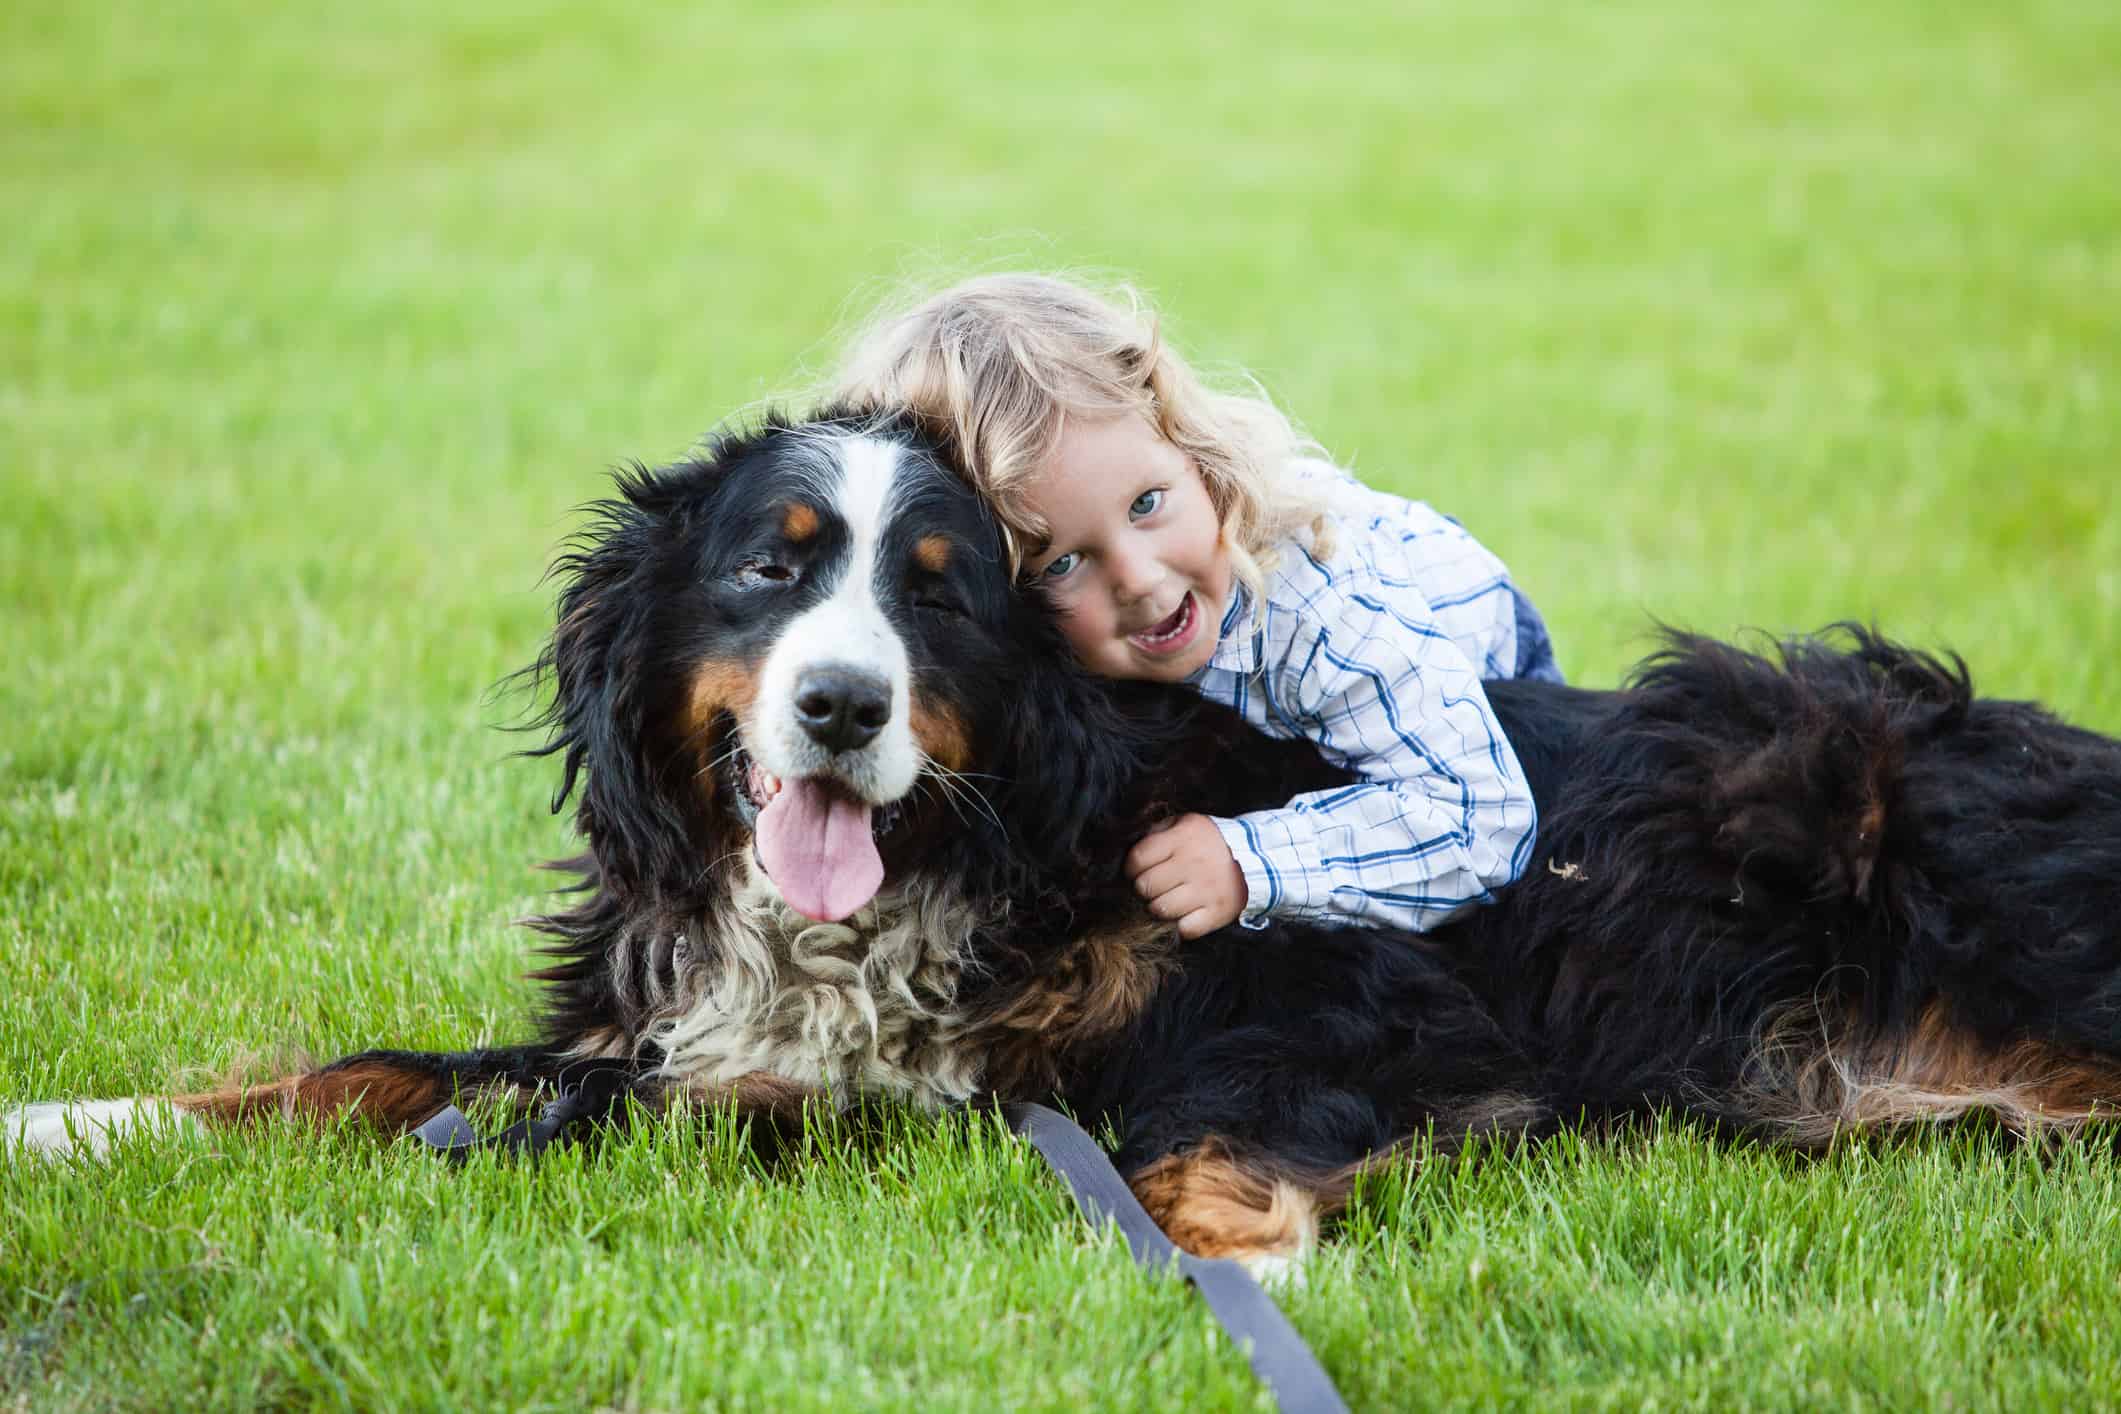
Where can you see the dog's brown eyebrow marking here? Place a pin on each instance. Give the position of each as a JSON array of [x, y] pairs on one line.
[[799, 521], [933, 553]]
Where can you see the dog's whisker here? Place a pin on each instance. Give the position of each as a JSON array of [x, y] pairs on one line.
[[710, 767], [957, 787], [922, 792]]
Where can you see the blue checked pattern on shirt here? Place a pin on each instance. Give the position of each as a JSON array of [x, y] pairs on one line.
[[1377, 653]]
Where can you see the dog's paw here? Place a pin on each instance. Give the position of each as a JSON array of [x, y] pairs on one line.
[[62, 1128], [1276, 1270]]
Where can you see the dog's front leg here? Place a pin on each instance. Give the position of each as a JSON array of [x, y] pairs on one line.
[[391, 1091]]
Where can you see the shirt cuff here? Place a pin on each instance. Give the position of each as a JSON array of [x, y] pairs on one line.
[[1271, 890]]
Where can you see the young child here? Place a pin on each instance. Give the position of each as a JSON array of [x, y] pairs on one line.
[[1186, 535]]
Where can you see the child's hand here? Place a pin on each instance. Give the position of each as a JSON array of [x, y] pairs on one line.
[[1187, 873]]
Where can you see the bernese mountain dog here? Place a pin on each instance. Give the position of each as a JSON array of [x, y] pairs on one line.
[[853, 824]]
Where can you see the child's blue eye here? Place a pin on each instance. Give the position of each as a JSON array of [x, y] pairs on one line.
[[1060, 567], [1146, 504]]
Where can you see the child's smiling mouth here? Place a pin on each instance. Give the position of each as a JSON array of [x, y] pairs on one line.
[[1173, 632]]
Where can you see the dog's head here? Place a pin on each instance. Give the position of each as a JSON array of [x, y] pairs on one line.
[[803, 647]]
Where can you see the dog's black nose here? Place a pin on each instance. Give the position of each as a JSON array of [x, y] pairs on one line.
[[840, 707]]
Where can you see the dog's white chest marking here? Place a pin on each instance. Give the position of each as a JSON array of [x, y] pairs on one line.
[[868, 1005]]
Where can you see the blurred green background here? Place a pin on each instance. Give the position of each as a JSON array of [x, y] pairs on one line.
[[1736, 317], [316, 320]]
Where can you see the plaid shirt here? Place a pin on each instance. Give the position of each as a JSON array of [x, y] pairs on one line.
[[1377, 654]]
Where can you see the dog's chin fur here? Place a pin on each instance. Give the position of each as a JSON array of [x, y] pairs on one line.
[[868, 1005], [1788, 894]]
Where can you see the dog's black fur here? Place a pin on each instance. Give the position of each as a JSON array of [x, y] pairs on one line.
[[1788, 892]]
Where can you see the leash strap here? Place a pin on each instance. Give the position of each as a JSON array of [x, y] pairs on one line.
[[451, 1135], [1277, 1353], [1284, 1364]]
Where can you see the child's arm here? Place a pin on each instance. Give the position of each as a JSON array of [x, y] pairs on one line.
[[1444, 813]]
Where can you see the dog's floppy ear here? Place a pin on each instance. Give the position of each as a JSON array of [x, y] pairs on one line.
[[599, 661], [1074, 752]]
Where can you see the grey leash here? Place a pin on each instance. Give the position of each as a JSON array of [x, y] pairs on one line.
[[1284, 1364], [1277, 1353]]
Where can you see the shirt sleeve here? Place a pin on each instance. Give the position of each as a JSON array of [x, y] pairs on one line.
[[1443, 814]]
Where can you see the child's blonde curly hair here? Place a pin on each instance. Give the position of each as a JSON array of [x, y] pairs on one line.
[[995, 365]]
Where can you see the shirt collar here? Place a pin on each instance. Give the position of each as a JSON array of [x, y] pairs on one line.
[[1237, 650]]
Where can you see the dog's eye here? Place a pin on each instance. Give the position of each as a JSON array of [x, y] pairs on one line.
[[940, 604], [757, 574]]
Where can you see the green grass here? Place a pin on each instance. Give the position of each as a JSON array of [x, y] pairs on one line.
[[315, 320]]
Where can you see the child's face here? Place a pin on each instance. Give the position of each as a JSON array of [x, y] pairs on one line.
[[1135, 565]]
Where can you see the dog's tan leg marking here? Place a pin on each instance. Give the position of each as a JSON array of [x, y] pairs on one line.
[[390, 1097], [1214, 1204], [1814, 1078]]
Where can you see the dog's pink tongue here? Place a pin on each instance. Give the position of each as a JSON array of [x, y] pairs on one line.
[[818, 851]]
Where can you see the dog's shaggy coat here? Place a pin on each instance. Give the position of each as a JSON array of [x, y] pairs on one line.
[[853, 825]]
